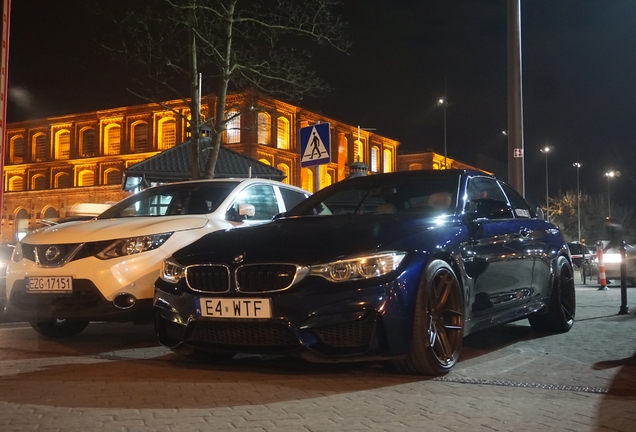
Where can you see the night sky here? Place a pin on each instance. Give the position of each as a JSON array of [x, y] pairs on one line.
[[579, 80]]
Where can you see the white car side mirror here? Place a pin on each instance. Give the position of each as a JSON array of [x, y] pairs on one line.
[[246, 210]]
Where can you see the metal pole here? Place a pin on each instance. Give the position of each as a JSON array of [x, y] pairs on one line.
[[578, 198], [445, 146], [516, 175], [547, 198], [609, 206], [624, 309]]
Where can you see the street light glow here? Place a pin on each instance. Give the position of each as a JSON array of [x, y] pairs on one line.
[[442, 102], [545, 150], [578, 165], [609, 175]]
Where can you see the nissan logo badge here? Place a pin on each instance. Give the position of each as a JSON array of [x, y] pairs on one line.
[[52, 253]]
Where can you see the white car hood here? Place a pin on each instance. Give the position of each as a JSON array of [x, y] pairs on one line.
[[107, 229]]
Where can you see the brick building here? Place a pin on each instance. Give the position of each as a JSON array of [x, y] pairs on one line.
[[53, 164]]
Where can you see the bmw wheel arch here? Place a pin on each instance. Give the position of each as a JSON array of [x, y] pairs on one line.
[[559, 317]]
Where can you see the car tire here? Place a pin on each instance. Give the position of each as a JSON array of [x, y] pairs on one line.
[[59, 328], [438, 323], [562, 305]]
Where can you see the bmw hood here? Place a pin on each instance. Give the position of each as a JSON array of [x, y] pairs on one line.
[[107, 229], [304, 240]]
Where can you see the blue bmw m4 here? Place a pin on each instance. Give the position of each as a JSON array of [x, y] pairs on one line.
[[396, 267]]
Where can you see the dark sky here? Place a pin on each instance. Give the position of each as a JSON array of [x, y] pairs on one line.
[[579, 63]]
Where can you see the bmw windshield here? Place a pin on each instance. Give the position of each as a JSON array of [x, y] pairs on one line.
[[424, 195]]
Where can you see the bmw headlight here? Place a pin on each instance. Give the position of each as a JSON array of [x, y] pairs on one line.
[[171, 271], [132, 245], [363, 267]]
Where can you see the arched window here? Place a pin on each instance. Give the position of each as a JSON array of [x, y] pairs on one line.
[[112, 176], [16, 184], [358, 152], [140, 137], [88, 143], [112, 139], [50, 213], [285, 169], [17, 147], [63, 180], [307, 179], [282, 125], [264, 128], [38, 182], [40, 148], [375, 163], [86, 178], [167, 133], [387, 165], [63, 144], [415, 166], [233, 128]]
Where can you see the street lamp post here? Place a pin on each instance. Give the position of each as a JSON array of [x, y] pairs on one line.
[[577, 165], [545, 150], [443, 102], [609, 175]]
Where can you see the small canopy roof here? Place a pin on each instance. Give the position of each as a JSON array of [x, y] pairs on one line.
[[174, 165]]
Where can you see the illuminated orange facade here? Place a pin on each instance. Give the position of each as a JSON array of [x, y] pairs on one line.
[[53, 164]]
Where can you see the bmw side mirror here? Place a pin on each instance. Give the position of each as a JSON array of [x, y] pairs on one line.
[[485, 208], [539, 212]]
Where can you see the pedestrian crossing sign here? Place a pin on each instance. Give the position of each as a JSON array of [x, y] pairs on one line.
[[315, 145]]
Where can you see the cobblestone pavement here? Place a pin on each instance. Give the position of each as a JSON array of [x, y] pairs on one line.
[[114, 377]]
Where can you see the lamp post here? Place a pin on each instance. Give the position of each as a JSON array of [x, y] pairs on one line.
[[443, 102], [609, 175], [577, 165], [545, 150]]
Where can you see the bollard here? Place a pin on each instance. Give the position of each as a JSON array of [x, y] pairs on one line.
[[601, 267], [583, 265], [623, 310]]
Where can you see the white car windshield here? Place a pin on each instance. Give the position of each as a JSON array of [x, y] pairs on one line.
[[172, 199]]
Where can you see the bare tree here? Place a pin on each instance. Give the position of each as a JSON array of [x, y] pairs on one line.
[[235, 45], [594, 224]]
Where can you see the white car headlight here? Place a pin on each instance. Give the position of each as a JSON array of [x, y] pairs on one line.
[[171, 271], [363, 267], [17, 252], [611, 258], [132, 245]]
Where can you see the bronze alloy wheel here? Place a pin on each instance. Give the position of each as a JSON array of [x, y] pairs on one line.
[[438, 324]]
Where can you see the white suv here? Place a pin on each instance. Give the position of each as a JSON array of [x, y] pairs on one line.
[[62, 277]]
